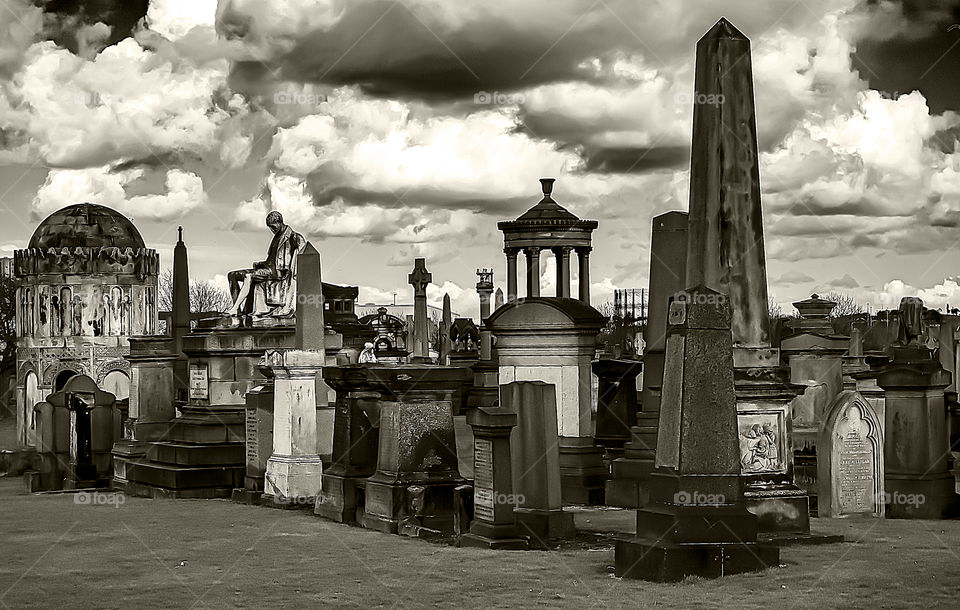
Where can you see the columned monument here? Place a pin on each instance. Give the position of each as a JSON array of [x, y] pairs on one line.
[[548, 226]]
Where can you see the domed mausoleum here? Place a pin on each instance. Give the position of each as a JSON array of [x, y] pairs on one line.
[[86, 283]]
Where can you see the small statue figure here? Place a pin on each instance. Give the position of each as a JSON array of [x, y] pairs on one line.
[[269, 288], [367, 355], [910, 315]]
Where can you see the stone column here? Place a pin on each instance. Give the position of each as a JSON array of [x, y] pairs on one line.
[[485, 290], [562, 255], [533, 271], [511, 273], [583, 258], [420, 278], [493, 525], [293, 473]]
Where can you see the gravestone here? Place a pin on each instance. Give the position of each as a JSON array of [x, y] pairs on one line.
[[412, 490], [493, 523], [850, 459], [535, 455], [697, 522]]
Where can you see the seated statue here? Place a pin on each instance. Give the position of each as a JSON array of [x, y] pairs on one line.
[[270, 287]]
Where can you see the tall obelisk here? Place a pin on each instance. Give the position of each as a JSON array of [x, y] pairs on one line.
[[726, 221]]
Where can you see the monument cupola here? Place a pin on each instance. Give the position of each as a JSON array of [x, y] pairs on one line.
[[548, 226], [86, 283]]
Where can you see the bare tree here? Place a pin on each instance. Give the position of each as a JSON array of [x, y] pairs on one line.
[[204, 296], [774, 310], [8, 322], [606, 308], [846, 304]]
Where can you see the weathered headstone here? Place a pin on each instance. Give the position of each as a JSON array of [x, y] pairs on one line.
[[697, 522], [493, 523], [420, 278], [616, 402], [416, 465], [850, 459], [534, 447]]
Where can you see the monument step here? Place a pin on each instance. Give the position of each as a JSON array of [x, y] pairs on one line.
[[207, 432], [187, 454], [664, 562], [696, 523], [626, 468], [185, 477], [140, 490]]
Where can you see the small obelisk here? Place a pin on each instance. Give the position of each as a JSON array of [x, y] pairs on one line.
[[420, 278], [498, 299], [726, 221], [180, 316], [445, 324]]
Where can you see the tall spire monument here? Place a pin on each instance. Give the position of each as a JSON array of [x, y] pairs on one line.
[[725, 253]]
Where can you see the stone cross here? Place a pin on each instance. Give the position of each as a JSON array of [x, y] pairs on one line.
[[420, 278]]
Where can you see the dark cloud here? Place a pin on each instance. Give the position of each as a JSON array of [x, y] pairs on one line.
[[635, 159], [63, 19], [844, 282], [924, 55]]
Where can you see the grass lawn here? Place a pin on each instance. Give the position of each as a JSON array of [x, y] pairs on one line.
[[175, 553]]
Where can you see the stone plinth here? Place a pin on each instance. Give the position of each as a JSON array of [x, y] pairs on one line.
[[354, 458], [916, 443], [153, 360], [294, 469], [412, 490], [493, 525], [203, 454], [616, 402], [697, 522], [536, 462]]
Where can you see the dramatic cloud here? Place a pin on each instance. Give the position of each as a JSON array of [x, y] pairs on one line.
[[179, 192]]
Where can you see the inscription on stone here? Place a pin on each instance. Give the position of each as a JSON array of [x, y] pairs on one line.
[[198, 381], [253, 454], [855, 465], [483, 493]]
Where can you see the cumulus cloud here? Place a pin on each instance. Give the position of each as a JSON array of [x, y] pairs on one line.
[[794, 277], [180, 192]]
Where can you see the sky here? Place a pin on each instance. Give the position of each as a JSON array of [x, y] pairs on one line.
[[388, 130]]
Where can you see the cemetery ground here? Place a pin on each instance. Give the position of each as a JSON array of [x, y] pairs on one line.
[[115, 551]]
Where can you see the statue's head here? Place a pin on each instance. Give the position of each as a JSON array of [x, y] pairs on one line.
[[911, 320], [275, 221]]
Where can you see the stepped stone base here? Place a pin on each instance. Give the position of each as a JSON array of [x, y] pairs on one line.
[[671, 562]]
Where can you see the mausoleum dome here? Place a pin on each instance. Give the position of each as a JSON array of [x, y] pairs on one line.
[[86, 225]]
